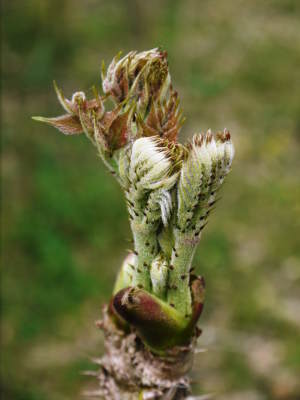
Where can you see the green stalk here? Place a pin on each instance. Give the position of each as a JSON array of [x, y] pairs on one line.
[[146, 248], [179, 295]]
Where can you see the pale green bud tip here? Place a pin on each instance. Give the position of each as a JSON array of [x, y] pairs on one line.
[[208, 162]]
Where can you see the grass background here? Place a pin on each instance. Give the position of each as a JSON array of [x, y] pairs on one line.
[[236, 64]]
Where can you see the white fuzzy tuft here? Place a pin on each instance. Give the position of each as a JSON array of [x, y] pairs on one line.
[[165, 203], [202, 174], [149, 165]]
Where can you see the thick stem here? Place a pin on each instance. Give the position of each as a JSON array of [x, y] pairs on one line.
[[129, 371]]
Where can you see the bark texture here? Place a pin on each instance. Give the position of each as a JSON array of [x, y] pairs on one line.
[[129, 371]]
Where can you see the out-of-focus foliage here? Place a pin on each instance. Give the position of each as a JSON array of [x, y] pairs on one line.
[[65, 227]]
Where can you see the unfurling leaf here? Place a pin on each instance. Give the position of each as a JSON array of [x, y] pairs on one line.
[[67, 124]]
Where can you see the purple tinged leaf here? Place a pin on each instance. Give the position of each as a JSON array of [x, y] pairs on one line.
[[158, 324], [67, 124]]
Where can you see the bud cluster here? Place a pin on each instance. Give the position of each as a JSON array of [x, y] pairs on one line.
[[170, 188]]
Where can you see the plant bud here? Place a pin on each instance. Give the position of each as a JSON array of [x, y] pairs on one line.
[[170, 190], [158, 324], [150, 166], [164, 119], [159, 276], [208, 162], [143, 76]]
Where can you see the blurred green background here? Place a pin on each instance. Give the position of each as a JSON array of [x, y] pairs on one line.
[[236, 64]]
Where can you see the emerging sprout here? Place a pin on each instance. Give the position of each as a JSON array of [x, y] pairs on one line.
[[170, 190]]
